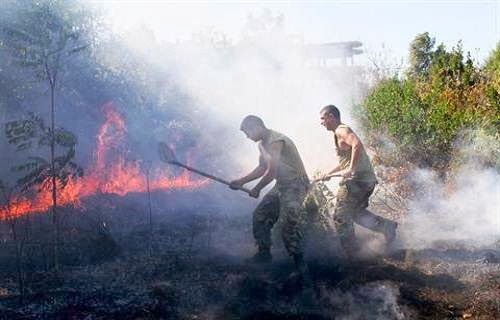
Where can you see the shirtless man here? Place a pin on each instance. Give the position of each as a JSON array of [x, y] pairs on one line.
[[279, 160], [356, 187]]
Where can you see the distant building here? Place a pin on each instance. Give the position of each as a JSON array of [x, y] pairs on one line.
[[326, 54]]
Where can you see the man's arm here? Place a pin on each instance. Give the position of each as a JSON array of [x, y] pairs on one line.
[[272, 168], [256, 173], [336, 169], [351, 139], [328, 174]]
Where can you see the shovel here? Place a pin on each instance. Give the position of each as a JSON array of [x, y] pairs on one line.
[[327, 178], [167, 155]]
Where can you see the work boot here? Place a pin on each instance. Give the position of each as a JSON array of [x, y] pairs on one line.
[[300, 264], [390, 232], [262, 256]]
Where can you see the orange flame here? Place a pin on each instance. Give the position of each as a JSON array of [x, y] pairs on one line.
[[110, 173]]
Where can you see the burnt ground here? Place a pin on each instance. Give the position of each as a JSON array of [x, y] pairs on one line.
[[196, 270]]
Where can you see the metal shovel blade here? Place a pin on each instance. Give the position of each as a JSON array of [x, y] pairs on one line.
[[168, 156], [166, 153]]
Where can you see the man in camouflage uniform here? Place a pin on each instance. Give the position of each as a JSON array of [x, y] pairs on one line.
[[356, 186], [279, 160]]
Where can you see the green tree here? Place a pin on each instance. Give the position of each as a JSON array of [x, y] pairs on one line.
[[492, 74], [40, 172], [443, 95], [43, 36], [420, 56]]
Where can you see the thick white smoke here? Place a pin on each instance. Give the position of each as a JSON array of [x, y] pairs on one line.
[[266, 73], [465, 210]]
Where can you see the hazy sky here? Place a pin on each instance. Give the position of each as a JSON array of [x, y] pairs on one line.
[[391, 24]]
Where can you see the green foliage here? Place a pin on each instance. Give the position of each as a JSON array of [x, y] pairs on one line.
[[443, 95], [24, 133], [43, 34], [395, 109], [420, 57], [21, 132], [492, 66], [492, 73]]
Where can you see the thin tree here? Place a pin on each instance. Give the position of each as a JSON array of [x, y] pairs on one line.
[[150, 216], [43, 36]]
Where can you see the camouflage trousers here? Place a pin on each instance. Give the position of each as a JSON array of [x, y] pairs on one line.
[[350, 208], [284, 201]]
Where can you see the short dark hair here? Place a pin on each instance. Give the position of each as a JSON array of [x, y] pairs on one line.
[[252, 121], [331, 109]]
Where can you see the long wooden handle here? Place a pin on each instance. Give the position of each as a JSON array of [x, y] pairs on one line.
[[328, 177], [208, 175]]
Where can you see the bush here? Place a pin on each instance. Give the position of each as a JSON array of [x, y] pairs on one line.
[[424, 112]]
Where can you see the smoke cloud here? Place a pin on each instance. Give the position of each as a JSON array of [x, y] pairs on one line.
[[266, 73], [464, 210]]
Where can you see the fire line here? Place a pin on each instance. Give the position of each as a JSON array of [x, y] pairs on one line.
[[109, 174]]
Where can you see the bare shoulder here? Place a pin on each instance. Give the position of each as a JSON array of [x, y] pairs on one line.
[[277, 145], [343, 130]]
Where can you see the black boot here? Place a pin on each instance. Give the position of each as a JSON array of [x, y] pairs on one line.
[[301, 271], [300, 264], [262, 256]]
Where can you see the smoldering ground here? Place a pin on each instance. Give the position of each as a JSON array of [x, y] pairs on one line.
[[270, 77]]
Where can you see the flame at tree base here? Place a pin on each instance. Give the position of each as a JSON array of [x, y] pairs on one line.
[[119, 177]]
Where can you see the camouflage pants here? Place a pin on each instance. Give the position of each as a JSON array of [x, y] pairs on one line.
[[284, 202], [352, 201]]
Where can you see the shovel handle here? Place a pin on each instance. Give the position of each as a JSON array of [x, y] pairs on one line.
[[207, 175], [328, 177]]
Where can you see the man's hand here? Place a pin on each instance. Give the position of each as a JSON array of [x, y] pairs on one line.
[[347, 174], [325, 177], [322, 177], [254, 193], [235, 184]]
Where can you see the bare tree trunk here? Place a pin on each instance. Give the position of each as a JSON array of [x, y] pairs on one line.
[[19, 243], [55, 220], [150, 247], [19, 260]]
